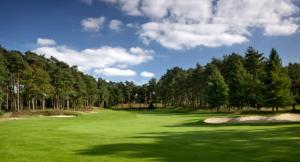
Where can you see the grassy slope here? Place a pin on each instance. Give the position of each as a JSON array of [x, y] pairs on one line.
[[145, 136]]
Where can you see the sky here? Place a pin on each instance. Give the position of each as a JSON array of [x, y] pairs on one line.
[[136, 40]]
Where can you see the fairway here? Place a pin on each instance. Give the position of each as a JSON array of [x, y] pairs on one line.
[[145, 136]]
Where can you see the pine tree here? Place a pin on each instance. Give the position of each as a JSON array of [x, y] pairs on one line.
[[3, 80], [294, 73], [102, 93], [254, 66], [16, 66], [216, 90], [239, 82], [277, 83]]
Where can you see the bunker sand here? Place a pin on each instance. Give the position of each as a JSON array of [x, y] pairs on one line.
[[287, 117]]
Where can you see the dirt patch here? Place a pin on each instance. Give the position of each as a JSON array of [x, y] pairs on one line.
[[287, 117]]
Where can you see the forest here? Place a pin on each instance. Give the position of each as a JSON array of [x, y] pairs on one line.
[[29, 81]]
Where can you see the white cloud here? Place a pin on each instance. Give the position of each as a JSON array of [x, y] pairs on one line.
[[147, 74], [103, 57], [134, 25], [280, 29], [88, 2], [93, 24], [115, 25], [115, 72], [45, 42], [179, 24], [131, 7]]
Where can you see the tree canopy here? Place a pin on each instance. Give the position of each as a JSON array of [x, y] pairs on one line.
[[29, 81]]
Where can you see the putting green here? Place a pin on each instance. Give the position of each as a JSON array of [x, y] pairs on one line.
[[145, 136]]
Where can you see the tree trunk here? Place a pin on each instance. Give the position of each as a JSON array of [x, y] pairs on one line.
[[68, 102], [33, 105], [36, 104], [57, 102], [43, 103], [294, 107], [28, 105], [276, 109], [18, 92], [272, 109], [7, 98], [21, 103]]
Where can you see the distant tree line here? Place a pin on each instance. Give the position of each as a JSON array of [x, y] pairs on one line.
[[235, 81], [29, 82]]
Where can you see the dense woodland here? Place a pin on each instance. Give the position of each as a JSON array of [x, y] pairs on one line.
[[30, 82]]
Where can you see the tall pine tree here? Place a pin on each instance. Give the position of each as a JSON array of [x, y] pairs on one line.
[[216, 90], [277, 83]]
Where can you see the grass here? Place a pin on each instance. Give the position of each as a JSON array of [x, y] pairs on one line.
[[145, 136]]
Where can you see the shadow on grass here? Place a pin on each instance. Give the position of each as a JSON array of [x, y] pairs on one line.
[[280, 144]]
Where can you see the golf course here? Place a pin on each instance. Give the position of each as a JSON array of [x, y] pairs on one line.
[[146, 135]]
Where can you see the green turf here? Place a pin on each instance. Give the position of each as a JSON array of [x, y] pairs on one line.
[[145, 136]]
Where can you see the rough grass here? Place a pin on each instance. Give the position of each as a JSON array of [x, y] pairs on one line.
[[146, 136]]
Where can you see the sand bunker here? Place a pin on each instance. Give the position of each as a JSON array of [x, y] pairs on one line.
[[11, 118], [288, 117], [19, 118], [62, 116]]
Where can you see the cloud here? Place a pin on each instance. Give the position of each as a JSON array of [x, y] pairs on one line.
[[134, 25], [178, 24], [103, 58], [93, 24], [88, 2], [131, 7], [115, 25], [147, 74], [45, 42], [115, 72]]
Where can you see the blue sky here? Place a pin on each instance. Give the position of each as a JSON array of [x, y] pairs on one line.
[[136, 39]]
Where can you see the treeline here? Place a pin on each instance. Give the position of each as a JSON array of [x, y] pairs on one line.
[[235, 81], [29, 81]]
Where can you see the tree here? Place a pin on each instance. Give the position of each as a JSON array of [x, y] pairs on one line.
[[3, 80], [80, 89], [216, 90], [254, 65], [277, 83], [103, 93], [16, 65], [152, 90], [38, 86], [129, 91], [198, 84], [294, 74], [239, 82], [91, 86], [253, 61]]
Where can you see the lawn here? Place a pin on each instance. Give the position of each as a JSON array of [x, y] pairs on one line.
[[145, 136]]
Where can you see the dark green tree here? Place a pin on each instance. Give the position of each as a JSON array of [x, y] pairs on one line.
[[277, 83], [239, 82], [3, 80], [216, 90]]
